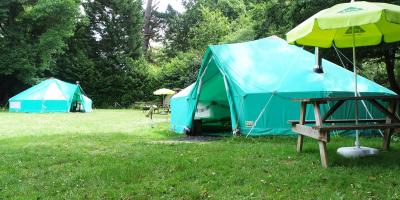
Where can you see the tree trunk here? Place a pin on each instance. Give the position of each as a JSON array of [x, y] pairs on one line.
[[389, 57], [147, 17]]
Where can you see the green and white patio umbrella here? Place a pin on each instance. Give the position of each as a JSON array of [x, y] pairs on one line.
[[350, 25], [372, 23]]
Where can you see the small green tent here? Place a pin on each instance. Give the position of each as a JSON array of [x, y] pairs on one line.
[[51, 95], [247, 87]]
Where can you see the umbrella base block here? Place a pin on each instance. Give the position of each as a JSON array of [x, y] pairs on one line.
[[357, 152]]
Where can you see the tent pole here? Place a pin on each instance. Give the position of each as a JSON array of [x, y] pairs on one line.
[[231, 106], [357, 143]]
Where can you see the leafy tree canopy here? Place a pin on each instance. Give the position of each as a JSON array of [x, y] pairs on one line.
[[100, 43]]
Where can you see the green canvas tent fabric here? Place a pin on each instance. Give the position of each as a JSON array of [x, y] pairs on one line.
[[179, 106], [51, 95], [248, 87]]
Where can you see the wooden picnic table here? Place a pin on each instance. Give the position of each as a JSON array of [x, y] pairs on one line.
[[320, 128]]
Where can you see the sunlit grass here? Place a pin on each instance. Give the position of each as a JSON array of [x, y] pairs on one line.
[[116, 154]]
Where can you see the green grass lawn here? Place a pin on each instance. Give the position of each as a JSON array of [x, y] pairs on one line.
[[115, 154]]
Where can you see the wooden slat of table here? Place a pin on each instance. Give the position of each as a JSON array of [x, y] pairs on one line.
[[317, 114], [322, 134], [309, 131], [323, 154], [324, 99], [332, 109], [339, 121], [356, 127], [384, 110], [388, 131], [300, 138]]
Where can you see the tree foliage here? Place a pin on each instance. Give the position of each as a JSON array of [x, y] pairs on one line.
[[100, 43], [105, 53], [33, 35], [210, 30]]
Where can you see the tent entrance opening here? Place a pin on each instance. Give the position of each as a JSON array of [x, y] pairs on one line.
[[213, 112], [213, 117], [77, 103]]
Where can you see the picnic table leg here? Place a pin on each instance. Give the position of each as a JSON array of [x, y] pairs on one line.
[[300, 138], [323, 153], [322, 145], [386, 139], [389, 131]]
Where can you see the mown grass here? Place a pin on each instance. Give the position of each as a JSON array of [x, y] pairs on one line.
[[115, 154]]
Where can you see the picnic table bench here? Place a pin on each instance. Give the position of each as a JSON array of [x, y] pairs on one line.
[[321, 127]]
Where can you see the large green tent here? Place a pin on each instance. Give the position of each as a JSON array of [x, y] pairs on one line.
[[51, 95], [247, 88]]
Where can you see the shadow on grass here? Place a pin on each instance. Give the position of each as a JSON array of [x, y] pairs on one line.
[[170, 136], [389, 158], [230, 139], [284, 140], [311, 149]]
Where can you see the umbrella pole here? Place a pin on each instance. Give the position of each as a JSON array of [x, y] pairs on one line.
[[357, 143], [357, 150]]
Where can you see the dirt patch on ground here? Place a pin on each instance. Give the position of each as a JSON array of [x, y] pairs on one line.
[[188, 139]]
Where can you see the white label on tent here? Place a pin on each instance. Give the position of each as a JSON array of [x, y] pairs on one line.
[[15, 105], [249, 123]]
